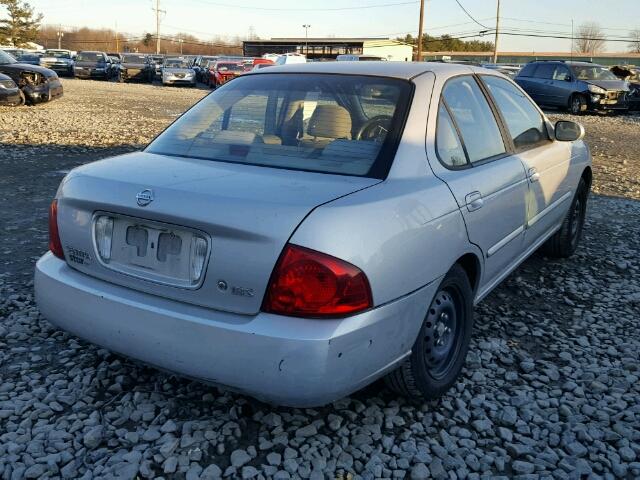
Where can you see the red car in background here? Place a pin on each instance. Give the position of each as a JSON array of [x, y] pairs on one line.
[[222, 72]]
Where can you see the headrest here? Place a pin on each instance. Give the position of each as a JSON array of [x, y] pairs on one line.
[[330, 121]]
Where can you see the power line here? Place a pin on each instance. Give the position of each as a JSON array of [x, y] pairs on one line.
[[470, 16]]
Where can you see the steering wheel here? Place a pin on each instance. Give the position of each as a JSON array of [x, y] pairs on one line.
[[376, 128]]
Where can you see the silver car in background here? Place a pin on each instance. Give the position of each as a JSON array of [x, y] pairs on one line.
[[307, 229], [178, 71]]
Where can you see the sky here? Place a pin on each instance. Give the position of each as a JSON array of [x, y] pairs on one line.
[[231, 19]]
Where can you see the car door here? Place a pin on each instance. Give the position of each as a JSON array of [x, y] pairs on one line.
[[545, 161], [561, 86], [544, 84], [489, 183]]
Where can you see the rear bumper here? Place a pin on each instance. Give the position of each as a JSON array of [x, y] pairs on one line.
[[283, 360]]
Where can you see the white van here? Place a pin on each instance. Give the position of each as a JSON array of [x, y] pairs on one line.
[[289, 58], [359, 58]]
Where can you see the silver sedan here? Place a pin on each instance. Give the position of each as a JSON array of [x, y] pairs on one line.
[[307, 229]]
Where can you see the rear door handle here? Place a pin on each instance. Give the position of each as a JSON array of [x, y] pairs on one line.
[[474, 201], [533, 175]]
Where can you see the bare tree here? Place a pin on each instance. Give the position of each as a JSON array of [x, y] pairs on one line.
[[589, 38], [634, 44]]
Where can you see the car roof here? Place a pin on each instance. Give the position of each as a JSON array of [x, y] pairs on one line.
[[402, 70]]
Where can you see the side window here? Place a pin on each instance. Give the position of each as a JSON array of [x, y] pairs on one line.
[[474, 118], [546, 71], [527, 70], [524, 122], [561, 73], [448, 144]]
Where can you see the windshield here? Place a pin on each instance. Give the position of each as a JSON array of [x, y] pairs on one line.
[[344, 124], [176, 63], [134, 59], [89, 57], [229, 67], [5, 58], [57, 54], [592, 72]]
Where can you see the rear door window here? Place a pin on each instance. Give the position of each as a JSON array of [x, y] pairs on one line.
[[448, 144], [474, 118], [546, 71]]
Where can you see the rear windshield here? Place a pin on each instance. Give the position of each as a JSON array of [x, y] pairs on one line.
[[134, 59], [229, 67], [89, 57], [343, 124], [57, 54]]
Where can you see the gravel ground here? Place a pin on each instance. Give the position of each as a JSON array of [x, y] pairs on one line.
[[550, 390]]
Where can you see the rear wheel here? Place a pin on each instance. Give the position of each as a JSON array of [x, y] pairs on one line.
[[577, 104], [565, 241], [438, 353]]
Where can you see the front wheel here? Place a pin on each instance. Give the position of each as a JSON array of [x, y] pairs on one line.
[[577, 104], [438, 353], [565, 241]]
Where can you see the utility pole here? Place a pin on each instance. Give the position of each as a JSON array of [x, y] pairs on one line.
[[60, 34], [158, 12], [495, 43], [420, 26], [181, 42], [306, 37], [117, 43]]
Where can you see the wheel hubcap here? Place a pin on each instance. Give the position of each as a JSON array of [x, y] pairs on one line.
[[441, 334]]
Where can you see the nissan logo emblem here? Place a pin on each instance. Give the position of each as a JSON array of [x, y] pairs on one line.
[[145, 197]]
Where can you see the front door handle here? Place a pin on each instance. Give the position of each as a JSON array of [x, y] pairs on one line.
[[533, 175], [474, 201]]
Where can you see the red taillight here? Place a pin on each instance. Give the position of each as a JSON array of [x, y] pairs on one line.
[[306, 283], [54, 237]]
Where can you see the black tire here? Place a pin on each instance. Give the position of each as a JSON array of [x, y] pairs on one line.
[[565, 241], [577, 104], [439, 352]]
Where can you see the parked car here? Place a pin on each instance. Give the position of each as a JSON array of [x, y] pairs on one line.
[[258, 66], [37, 84], [510, 71], [158, 61], [222, 72], [289, 58], [136, 66], [359, 58], [10, 94], [29, 58], [92, 64], [630, 74], [200, 66], [60, 61], [300, 261], [576, 86], [176, 71], [271, 56]]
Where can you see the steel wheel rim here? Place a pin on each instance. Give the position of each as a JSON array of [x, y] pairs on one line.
[[576, 105], [442, 336]]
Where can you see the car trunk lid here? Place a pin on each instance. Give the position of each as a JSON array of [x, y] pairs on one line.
[[246, 214]]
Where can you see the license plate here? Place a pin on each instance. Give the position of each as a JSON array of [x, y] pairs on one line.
[[153, 251]]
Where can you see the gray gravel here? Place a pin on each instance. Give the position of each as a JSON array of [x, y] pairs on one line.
[[551, 388]]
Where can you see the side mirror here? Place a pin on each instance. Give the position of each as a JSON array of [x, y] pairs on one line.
[[568, 78], [566, 131]]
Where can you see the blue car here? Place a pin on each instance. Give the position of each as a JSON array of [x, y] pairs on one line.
[[576, 86]]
